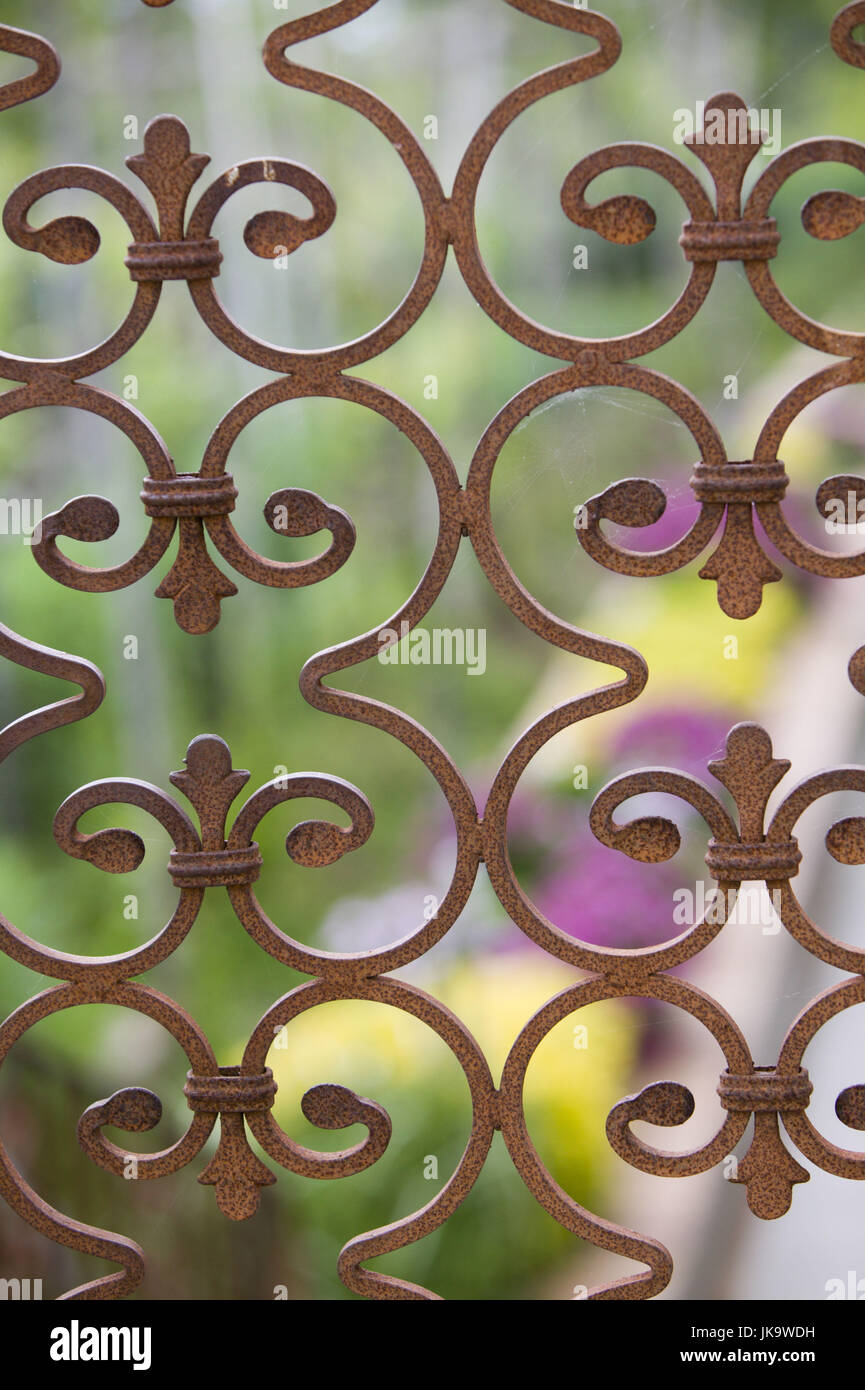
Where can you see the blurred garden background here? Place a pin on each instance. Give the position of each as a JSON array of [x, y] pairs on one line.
[[200, 59]]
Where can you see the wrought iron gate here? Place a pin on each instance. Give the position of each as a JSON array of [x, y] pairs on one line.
[[171, 238]]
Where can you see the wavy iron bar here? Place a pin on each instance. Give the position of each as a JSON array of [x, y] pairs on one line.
[[166, 242]]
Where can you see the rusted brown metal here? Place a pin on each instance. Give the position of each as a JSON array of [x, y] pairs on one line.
[[31, 46], [220, 852], [750, 851]]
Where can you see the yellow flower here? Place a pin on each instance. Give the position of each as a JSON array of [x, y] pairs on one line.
[[577, 1073]]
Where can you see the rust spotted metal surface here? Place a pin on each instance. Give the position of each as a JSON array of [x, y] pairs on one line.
[[213, 844]]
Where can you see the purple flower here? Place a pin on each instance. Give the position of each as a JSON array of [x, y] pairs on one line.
[[681, 738], [606, 899]]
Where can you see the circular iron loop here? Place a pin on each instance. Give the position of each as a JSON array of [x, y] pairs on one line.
[[764, 862], [739, 482], [174, 260], [217, 868], [229, 1093], [744, 240], [188, 494], [765, 1089]]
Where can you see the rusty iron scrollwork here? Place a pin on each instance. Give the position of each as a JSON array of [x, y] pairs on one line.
[[216, 848]]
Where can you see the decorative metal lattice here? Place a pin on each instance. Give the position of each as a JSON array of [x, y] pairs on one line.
[[174, 244]]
